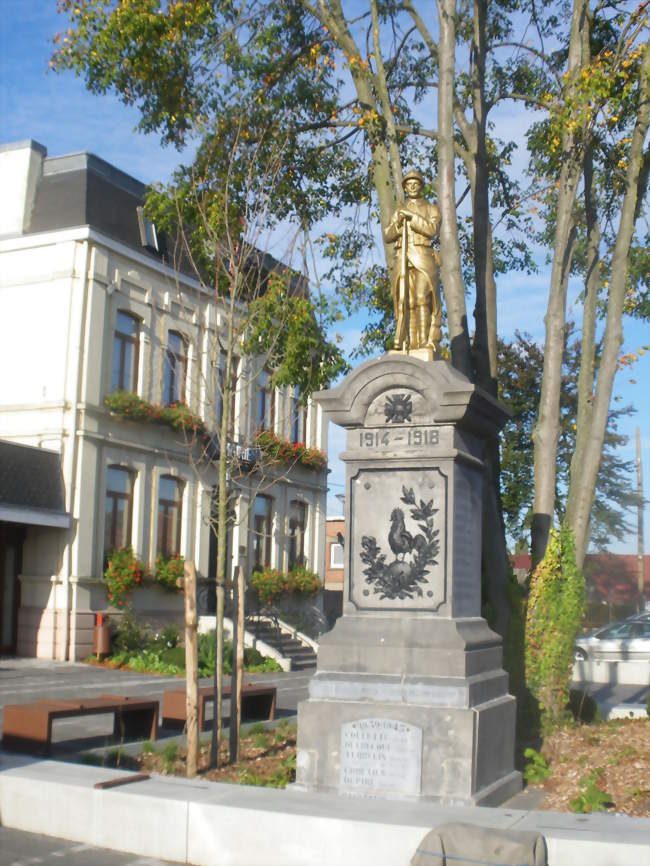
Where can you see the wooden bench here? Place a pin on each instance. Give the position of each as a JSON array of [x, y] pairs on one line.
[[258, 702], [28, 727]]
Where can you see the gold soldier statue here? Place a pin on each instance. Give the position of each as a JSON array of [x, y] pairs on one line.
[[416, 290]]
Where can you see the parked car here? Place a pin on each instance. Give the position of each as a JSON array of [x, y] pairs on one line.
[[628, 640]]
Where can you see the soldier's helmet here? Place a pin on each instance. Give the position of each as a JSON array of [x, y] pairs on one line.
[[413, 174]]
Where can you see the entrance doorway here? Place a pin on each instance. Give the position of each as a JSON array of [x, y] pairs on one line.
[[11, 549]]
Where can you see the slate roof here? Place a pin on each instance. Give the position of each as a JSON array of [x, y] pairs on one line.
[[31, 478], [82, 189]]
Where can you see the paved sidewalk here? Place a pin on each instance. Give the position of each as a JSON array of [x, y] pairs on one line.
[[25, 680], [30, 849]]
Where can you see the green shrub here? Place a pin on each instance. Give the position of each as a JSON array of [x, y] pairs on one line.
[[591, 798], [168, 637], [169, 755], [206, 654], [174, 656], [536, 769], [555, 610], [123, 573], [261, 741], [267, 666], [131, 635], [252, 656], [169, 572]]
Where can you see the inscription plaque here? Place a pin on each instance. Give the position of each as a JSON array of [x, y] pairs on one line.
[[381, 755]]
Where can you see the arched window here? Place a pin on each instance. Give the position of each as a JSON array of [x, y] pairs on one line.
[[297, 526], [126, 350], [118, 509], [175, 372], [170, 515]]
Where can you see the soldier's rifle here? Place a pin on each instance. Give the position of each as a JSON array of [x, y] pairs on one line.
[[401, 329]]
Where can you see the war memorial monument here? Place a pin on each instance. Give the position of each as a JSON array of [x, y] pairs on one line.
[[410, 699]]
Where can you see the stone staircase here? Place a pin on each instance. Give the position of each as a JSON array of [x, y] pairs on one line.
[[302, 655]]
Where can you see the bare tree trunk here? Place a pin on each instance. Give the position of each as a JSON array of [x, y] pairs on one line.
[[452, 277], [222, 528], [587, 373], [485, 365], [639, 525], [237, 680], [191, 671], [583, 483], [547, 429]]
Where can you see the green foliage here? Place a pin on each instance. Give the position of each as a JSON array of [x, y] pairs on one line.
[[278, 450], [520, 381], [175, 657], [131, 635], [123, 574], [205, 644], [290, 332], [252, 656], [536, 770], [169, 756], [271, 584], [134, 408], [168, 636], [135, 646], [282, 777], [169, 572], [555, 610], [268, 666], [591, 798], [261, 741]]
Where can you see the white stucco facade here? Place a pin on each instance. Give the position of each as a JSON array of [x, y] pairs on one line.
[[60, 293]]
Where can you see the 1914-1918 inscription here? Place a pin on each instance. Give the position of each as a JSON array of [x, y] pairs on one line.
[[417, 438], [381, 755]]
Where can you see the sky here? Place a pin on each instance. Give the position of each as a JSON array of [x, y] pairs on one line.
[[57, 111]]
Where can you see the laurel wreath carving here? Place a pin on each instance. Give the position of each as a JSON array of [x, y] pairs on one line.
[[402, 578]]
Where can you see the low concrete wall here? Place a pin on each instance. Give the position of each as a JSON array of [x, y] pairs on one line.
[[205, 824]]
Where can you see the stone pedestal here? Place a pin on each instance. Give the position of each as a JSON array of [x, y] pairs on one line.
[[410, 699]]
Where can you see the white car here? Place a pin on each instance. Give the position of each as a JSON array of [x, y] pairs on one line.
[[619, 641]]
